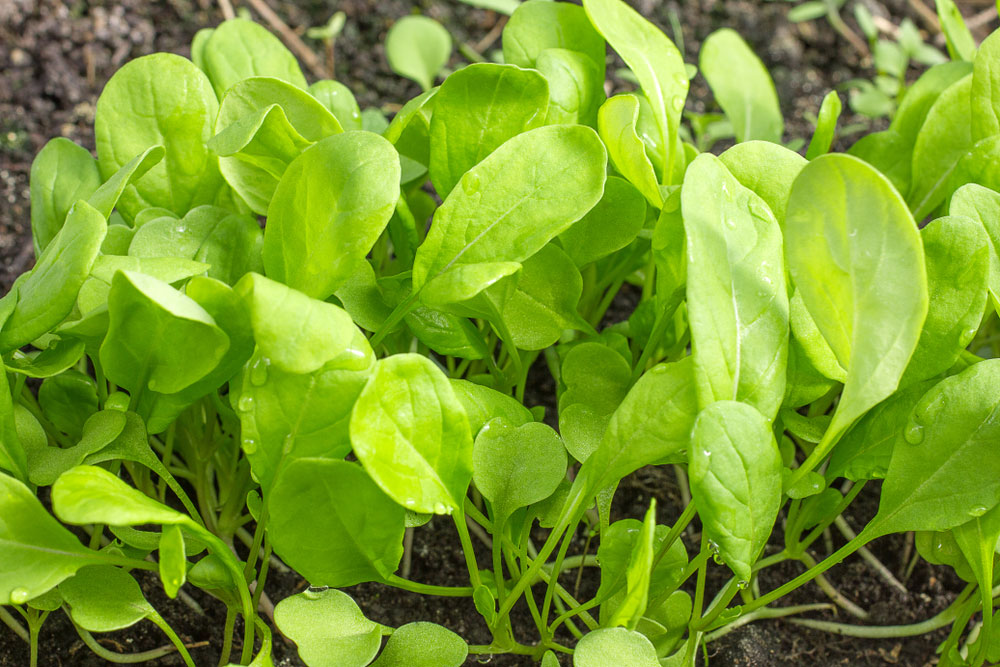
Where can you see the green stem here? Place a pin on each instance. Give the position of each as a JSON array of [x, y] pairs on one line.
[[554, 580], [818, 530], [766, 612], [811, 573], [172, 636], [470, 553], [428, 589], [397, 314], [881, 631], [675, 531], [265, 567], [121, 658], [14, 625], [227, 636]]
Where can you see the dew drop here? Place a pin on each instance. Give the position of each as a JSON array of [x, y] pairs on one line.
[[680, 79], [245, 404], [441, 508], [717, 558], [19, 595], [730, 223], [249, 446], [978, 510], [742, 584], [470, 183], [289, 440], [410, 502], [659, 369], [181, 229], [677, 103], [968, 335], [713, 546], [258, 371], [914, 433]]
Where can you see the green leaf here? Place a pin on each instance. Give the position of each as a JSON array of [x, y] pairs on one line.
[[262, 126], [499, 212], [956, 253], [477, 109], [39, 553], [944, 138], [158, 338], [173, 561], [411, 434], [516, 466], [418, 47], [164, 100], [538, 25], [104, 598], [596, 378], [736, 294], [544, 300], [811, 341], [329, 208], [616, 121], [339, 99], [46, 463], [808, 11], [766, 168], [982, 205], [43, 297], [350, 531], [656, 63], [619, 542], [228, 242], [62, 353], [106, 197], [286, 416], [238, 49], [638, 574], [576, 86], [961, 44], [61, 174], [855, 256], [742, 86], [328, 628], [423, 645], [826, 125], [67, 400], [735, 471], [984, 97], [322, 332], [608, 227], [88, 494], [612, 647], [481, 404], [866, 449], [948, 472], [652, 423]]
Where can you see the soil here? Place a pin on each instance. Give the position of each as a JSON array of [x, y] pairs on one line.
[[56, 56]]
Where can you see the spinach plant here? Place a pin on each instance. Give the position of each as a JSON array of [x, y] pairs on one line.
[[191, 394]]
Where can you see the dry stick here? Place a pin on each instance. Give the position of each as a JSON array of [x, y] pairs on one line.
[[492, 36], [307, 55], [869, 557], [833, 593], [928, 15], [227, 9], [982, 18], [407, 552]]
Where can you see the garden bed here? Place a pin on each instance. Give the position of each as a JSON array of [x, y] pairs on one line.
[[58, 57]]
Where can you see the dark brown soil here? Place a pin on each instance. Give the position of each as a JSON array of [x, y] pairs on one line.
[[56, 56]]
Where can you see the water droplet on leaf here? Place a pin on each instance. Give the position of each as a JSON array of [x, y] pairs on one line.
[[914, 433], [978, 510], [245, 404], [249, 446], [19, 595], [258, 371], [677, 103], [288, 442]]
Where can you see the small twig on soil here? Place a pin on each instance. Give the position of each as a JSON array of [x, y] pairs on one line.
[[492, 36], [869, 557], [928, 15], [832, 593], [307, 55], [478, 531], [977, 21], [227, 9]]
